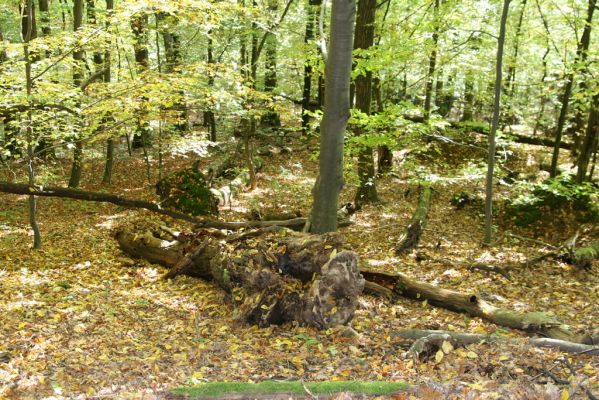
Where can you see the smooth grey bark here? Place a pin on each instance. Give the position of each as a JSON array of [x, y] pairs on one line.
[[27, 35], [77, 166], [336, 113], [581, 55], [495, 124]]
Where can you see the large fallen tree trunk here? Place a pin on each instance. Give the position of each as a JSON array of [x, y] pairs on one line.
[[410, 238], [277, 277], [537, 322]]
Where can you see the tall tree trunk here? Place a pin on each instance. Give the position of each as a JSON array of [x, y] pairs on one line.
[[42, 147], [107, 177], [311, 15], [577, 127], [364, 39], [581, 56], [468, 113], [209, 117], [590, 141], [494, 125], [172, 48], [139, 25], [336, 113], [432, 63], [271, 117], [27, 31], [511, 69], [77, 167], [385, 154]]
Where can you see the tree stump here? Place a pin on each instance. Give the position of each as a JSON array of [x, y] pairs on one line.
[[274, 276]]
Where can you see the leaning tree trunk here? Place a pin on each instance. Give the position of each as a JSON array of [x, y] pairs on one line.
[[274, 278]]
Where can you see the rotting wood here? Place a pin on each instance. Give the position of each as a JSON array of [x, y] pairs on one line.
[[278, 277], [469, 303], [464, 339], [411, 236]]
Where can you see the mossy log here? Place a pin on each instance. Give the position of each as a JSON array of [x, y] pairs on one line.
[[583, 257], [541, 323], [411, 236], [276, 276]]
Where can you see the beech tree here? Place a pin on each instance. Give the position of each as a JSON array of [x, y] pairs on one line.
[[336, 113]]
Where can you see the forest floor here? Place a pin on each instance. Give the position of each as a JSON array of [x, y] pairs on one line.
[[82, 320]]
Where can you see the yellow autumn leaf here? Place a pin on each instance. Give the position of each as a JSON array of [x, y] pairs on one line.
[[471, 354], [565, 394], [447, 347], [439, 356]]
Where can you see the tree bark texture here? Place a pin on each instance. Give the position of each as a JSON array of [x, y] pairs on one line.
[[411, 236], [464, 339], [541, 323], [581, 55], [311, 15], [336, 113], [590, 141], [364, 39], [432, 62], [139, 26], [77, 167], [495, 125], [273, 278]]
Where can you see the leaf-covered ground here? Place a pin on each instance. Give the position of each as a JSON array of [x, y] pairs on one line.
[[82, 320]]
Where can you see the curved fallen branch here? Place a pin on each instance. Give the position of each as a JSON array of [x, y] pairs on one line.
[[464, 339], [53, 191], [469, 303]]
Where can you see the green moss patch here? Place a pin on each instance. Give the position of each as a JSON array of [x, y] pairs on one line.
[[216, 389]]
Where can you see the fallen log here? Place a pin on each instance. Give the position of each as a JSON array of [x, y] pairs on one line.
[[53, 191], [464, 339], [276, 277], [411, 236], [541, 323], [518, 138]]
